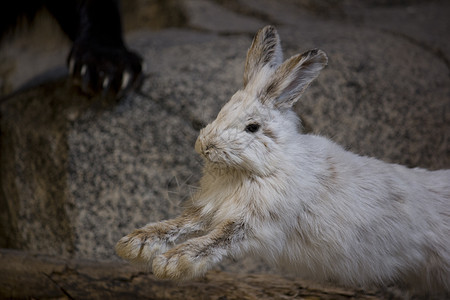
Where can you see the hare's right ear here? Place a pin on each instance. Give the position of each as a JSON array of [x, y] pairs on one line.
[[265, 51], [292, 78]]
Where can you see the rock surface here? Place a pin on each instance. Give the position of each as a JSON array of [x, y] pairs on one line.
[[46, 277], [78, 173]]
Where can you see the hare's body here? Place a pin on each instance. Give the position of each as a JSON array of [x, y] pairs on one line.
[[297, 200], [338, 216]]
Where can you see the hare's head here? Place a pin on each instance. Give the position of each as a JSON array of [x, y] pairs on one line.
[[254, 129]]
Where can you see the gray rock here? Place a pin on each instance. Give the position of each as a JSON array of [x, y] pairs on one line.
[[207, 15]]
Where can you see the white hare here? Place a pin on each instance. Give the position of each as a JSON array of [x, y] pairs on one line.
[[300, 201]]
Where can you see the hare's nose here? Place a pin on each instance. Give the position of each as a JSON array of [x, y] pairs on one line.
[[203, 147]]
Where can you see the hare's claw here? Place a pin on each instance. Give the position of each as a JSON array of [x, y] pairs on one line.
[[140, 246], [179, 264]]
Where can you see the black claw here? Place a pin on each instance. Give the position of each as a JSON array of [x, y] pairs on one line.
[[118, 66]]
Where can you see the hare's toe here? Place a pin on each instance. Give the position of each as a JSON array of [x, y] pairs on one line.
[[129, 247], [139, 247], [179, 265]]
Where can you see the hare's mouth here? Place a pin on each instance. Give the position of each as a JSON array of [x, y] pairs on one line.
[[217, 157], [213, 155]]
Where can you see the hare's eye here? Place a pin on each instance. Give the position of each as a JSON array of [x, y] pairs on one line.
[[252, 127]]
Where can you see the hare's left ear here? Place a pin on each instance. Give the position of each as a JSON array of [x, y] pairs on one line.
[[292, 78], [265, 51]]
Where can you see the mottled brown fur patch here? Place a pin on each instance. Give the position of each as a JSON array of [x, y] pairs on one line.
[[395, 194], [223, 236], [261, 52], [274, 216], [269, 133], [261, 214], [255, 210], [329, 179], [289, 79], [275, 88], [301, 235], [397, 197], [165, 230], [332, 171]]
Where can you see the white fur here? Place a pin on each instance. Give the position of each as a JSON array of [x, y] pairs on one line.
[[300, 201]]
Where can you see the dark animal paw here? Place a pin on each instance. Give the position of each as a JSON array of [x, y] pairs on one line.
[[110, 71]]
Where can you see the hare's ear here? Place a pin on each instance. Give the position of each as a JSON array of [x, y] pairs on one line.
[[292, 78], [264, 51]]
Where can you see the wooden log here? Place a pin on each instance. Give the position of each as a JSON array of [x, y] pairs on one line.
[[37, 276]]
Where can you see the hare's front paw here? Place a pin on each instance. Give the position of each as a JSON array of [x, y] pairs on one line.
[[142, 245], [181, 263]]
